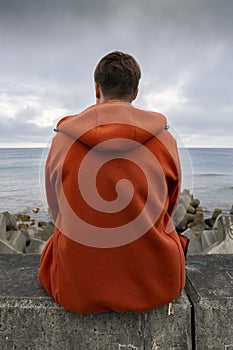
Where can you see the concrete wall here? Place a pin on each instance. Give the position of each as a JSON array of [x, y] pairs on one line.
[[210, 288], [203, 319]]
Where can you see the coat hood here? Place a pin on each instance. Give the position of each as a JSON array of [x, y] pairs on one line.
[[113, 121]]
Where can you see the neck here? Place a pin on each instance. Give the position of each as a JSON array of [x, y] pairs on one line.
[[101, 100]]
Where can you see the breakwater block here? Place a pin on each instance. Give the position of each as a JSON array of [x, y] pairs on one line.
[[210, 288], [2, 227], [30, 319]]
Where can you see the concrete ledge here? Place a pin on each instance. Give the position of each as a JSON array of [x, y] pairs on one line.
[[210, 289], [29, 319]]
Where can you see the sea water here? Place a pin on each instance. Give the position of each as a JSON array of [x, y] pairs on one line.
[[213, 177], [22, 178]]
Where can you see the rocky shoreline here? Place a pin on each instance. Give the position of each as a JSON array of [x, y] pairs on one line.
[[21, 233], [190, 214], [24, 234], [207, 235]]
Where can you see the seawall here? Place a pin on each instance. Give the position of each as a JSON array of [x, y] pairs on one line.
[[201, 318]]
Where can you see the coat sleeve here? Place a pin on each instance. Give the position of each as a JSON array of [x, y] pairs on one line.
[[50, 182], [175, 185], [174, 195]]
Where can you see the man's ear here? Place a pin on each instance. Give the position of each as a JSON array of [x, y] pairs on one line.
[[97, 91], [136, 93]]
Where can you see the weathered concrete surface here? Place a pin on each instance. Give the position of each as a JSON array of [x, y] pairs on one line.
[[2, 227], [195, 246], [218, 240], [17, 240], [36, 246], [224, 228], [209, 238], [225, 247], [210, 287], [6, 248], [169, 332], [11, 224], [29, 319]]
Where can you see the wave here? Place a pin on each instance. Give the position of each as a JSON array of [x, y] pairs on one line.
[[210, 174], [16, 167], [226, 188]]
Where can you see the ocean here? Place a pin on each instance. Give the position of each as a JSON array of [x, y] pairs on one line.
[[207, 172]]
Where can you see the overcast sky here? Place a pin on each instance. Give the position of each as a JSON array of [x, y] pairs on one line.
[[49, 50]]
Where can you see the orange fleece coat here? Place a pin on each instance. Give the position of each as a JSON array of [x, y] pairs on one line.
[[100, 262]]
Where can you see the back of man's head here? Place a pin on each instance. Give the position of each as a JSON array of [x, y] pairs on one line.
[[118, 76]]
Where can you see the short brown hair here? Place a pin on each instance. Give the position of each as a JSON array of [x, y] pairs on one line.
[[118, 75]]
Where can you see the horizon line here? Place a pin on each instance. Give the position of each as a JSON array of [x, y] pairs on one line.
[[194, 147]]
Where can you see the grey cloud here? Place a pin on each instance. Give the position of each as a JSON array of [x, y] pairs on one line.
[[51, 49], [200, 122], [20, 130]]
